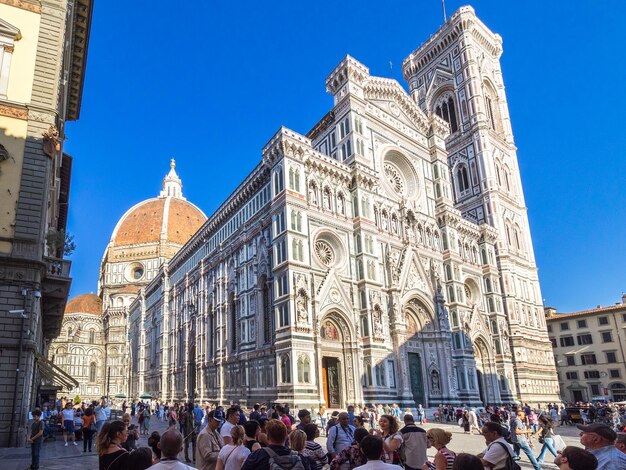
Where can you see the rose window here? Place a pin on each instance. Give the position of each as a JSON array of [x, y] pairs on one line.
[[394, 178], [324, 252], [468, 293], [398, 175]]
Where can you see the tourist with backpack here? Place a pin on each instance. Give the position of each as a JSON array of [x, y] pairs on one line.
[[340, 436], [276, 456], [499, 454]]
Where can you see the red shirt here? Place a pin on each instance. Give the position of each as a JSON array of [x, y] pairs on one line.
[[286, 421]]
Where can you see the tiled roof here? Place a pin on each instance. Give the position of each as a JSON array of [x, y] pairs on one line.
[[145, 222], [593, 311], [85, 303]]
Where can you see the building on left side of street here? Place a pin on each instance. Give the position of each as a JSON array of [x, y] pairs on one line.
[[43, 54], [590, 352]]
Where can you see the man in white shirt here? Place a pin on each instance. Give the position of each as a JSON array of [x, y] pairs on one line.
[[171, 444], [498, 451], [372, 448], [232, 418], [101, 414]]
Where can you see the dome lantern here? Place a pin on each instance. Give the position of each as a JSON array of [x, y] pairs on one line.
[[172, 184]]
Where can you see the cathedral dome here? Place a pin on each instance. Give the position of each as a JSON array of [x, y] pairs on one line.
[[85, 303], [158, 219], [168, 218]]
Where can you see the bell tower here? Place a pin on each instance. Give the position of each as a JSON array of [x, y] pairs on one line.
[[456, 74]]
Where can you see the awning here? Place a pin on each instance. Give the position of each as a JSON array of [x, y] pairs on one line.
[[54, 374]]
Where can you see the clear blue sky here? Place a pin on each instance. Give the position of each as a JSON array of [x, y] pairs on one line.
[[210, 82]]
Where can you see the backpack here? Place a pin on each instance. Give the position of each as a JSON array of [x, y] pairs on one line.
[[506, 434], [510, 464], [291, 461]]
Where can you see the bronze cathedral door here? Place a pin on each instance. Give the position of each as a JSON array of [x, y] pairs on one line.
[[330, 382]]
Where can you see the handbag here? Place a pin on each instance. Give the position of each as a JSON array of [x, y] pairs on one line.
[[559, 444], [460, 422]]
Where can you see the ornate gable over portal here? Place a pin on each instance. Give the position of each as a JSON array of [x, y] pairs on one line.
[[332, 295], [413, 276]]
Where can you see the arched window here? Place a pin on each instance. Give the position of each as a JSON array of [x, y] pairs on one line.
[[92, 337], [489, 106], [498, 175], [92, 372], [463, 179], [278, 180], [267, 312], [285, 369], [447, 112], [233, 321], [304, 369], [69, 332]]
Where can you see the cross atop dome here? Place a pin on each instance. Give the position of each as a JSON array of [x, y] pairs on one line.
[[172, 184]]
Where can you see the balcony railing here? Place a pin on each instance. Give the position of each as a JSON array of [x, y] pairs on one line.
[[58, 268]]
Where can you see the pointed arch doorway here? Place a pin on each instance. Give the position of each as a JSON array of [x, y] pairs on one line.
[[335, 362], [485, 373]]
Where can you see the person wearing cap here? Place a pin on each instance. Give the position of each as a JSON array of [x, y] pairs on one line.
[[209, 442], [620, 442], [304, 416], [599, 439]]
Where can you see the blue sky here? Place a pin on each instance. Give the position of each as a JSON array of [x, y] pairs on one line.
[[210, 82]]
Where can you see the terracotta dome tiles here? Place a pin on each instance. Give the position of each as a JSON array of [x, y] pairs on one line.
[[85, 303], [144, 223]]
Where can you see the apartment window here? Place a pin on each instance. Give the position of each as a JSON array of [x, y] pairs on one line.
[[586, 359], [571, 375], [607, 337], [584, 339], [553, 341], [623, 316], [549, 326], [614, 373], [567, 341], [603, 321], [564, 326], [592, 374], [595, 389], [582, 323], [571, 361], [611, 358]]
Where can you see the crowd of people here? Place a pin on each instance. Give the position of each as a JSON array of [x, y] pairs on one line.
[[272, 438]]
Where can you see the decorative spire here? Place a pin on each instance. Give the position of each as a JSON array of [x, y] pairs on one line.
[[172, 185]]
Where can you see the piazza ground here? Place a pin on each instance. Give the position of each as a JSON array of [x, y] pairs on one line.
[[54, 456]]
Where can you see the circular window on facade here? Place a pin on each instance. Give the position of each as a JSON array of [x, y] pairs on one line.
[[135, 272], [399, 177], [472, 293], [329, 249]]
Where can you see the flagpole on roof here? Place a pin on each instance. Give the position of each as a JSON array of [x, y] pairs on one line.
[[443, 7]]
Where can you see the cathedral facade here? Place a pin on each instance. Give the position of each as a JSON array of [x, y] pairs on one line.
[[385, 256]]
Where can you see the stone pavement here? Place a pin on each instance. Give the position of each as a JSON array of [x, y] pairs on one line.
[[54, 456]]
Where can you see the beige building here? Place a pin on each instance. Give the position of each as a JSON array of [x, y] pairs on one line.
[[43, 53], [590, 352]]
